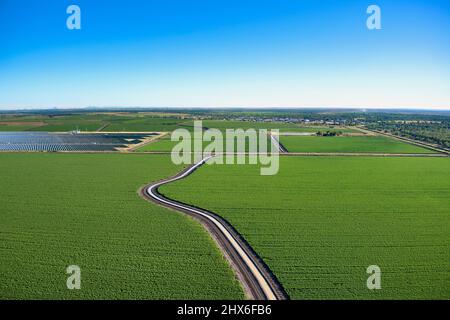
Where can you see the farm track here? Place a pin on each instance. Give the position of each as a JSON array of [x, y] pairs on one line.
[[257, 280], [103, 127], [299, 154], [306, 154]]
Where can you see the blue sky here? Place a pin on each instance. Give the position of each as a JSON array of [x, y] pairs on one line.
[[199, 53]]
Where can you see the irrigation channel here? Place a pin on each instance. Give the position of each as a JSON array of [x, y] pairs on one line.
[[277, 144], [258, 281]]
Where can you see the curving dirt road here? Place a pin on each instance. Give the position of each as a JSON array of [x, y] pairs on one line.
[[256, 278]]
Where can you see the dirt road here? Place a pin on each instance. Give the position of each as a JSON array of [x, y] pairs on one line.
[[258, 281]]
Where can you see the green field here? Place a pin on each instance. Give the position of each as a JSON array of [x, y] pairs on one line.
[[282, 126], [68, 125], [166, 145], [95, 121], [21, 127], [318, 224], [83, 209], [322, 221], [86, 122], [349, 144], [147, 124]]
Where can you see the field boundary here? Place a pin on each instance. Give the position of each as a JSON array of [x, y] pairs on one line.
[[298, 154], [103, 127]]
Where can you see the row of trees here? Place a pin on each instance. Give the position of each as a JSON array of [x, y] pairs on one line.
[[434, 132]]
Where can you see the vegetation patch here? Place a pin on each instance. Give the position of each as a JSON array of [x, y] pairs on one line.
[[165, 144], [349, 144], [83, 209], [282, 126], [322, 221]]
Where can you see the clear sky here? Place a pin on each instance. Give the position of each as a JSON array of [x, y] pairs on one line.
[[239, 53]]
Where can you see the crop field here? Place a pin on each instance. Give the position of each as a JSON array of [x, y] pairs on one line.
[[93, 121], [148, 124], [349, 144], [62, 209], [16, 127], [283, 127], [141, 122], [50, 123], [68, 125], [322, 221], [165, 144]]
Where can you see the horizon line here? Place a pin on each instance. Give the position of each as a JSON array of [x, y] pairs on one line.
[[229, 108]]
